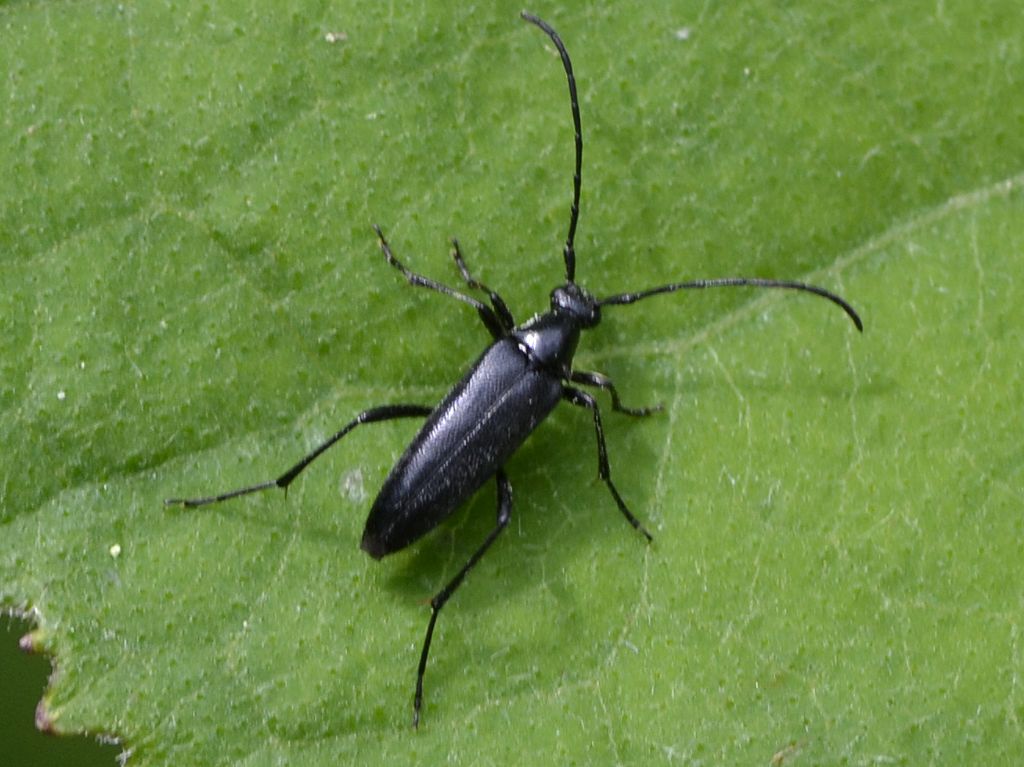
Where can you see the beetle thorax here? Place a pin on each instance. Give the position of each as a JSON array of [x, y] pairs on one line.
[[550, 339]]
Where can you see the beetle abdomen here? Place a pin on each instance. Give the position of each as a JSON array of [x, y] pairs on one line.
[[468, 437]]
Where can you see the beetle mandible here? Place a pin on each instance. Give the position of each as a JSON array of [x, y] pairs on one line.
[[510, 389]]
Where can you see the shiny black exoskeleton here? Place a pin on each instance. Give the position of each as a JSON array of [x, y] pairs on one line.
[[466, 440], [508, 392]]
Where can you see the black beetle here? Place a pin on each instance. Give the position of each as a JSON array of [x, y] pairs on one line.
[[487, 416]]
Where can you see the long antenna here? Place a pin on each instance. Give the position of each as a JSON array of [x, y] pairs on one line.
[[569, 252], [732, 282]]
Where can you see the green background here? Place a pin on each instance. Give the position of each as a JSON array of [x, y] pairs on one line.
[[193, 297]]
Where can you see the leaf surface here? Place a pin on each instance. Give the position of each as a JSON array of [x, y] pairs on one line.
[[194, 298]]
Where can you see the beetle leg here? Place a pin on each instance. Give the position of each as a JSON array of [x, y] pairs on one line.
[[384, 413], [589, 378], [500, 307], [487, 315], [580, 398], [504, 514]]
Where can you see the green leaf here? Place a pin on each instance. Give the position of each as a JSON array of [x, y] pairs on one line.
[[193, 297]]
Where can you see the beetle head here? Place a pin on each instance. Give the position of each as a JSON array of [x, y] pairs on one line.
[[570, 300]]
